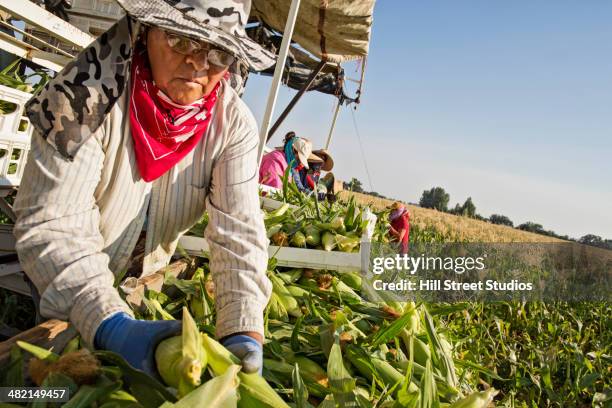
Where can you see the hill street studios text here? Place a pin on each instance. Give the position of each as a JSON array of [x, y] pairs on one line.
[[423, 264]]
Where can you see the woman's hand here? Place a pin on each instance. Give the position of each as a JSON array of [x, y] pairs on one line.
[[135, 340], [247, 346]]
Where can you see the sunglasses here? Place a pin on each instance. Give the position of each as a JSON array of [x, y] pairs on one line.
[[187, 46]]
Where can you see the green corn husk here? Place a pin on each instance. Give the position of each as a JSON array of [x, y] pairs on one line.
[[297, 292], [311, 370], [386, 371], [361, 361], [273, 229], [308, 282], [270, 221], [276, 309], [291, 276], [422, 353], [349, 215], [314, 376], [337, 224], [363, 325], [299, 240], [181, 359], [196, 305], [284, 297], [38, 352], [346, 292], [347, 244], [313, 236], [276, 216], [328, 240], [369, 367], [476, 400], [219, 392], [254, 390], [168, 356], [352, 279]]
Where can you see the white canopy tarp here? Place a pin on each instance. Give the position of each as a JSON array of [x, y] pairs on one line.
[[338, 30]]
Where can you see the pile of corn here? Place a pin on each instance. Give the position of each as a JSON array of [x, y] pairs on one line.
[[333, 228], [325, 226], [326, 346]]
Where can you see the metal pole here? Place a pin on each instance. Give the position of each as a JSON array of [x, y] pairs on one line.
[[333, 125], [296, 98], [278, 72]]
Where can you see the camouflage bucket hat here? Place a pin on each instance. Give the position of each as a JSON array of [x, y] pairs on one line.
[[220, 22]]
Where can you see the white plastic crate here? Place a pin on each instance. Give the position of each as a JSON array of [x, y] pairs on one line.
[[15, 134], [303, 257]]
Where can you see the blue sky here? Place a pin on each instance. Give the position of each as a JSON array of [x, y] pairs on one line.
[[507, 102]]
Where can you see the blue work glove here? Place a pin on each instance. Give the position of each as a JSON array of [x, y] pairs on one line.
[[135, 340], [248, 350]]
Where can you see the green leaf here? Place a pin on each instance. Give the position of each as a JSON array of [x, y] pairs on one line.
[[479, 368], [39, 352], [588, 380], [300, 393], [429, 394], [119, 399], [73, 345], [155, 308], [147, 391], [191, 337], [11, 375], [188, 287], [219, 392], [295, 342], [56, 380], [340, 380], [286, 176], [87, 395], [441, 358], [391, 331]]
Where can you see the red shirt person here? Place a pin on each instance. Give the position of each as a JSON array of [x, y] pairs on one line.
[[400, 226]]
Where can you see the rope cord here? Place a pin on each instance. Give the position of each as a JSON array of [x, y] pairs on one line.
[[363, 156]]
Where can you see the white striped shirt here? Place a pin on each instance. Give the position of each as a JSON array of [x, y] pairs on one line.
[[78, 222]]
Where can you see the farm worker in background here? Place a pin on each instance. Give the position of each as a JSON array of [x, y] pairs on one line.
[[322, 161], [297, 152], [400, 226], [144, 125]]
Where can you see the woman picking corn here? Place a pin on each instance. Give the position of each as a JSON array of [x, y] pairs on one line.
[[399, 217], [143, 127], [297, 153]]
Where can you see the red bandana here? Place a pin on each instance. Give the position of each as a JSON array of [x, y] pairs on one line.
[[163, 131]]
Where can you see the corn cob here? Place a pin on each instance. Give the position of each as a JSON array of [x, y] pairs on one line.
[[254, 390], [181, 359], [476, 400]]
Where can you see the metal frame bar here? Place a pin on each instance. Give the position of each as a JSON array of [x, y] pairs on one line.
[[38, 16], [333, 125], [35, 38], [278, 72], [24, 50], [296, 98]]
